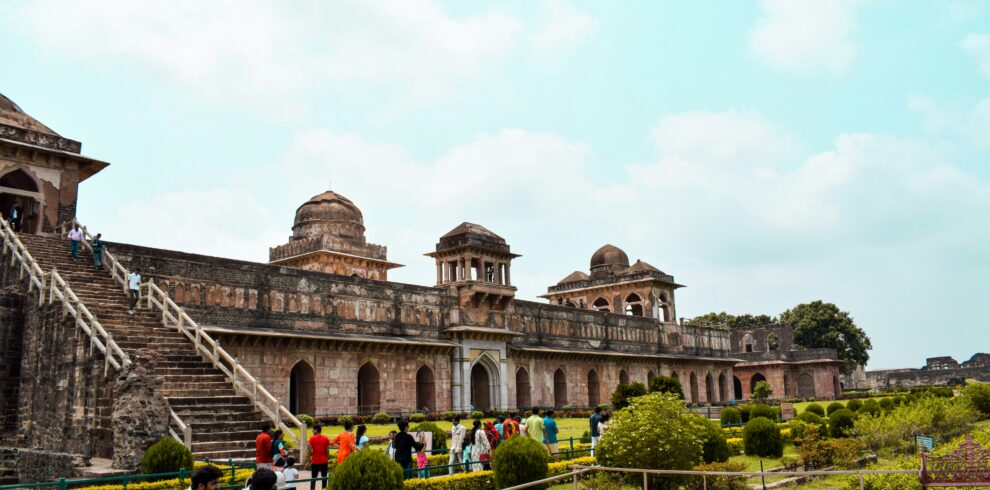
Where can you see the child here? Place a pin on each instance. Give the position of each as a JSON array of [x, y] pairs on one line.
[[422, 462], [290, 473]]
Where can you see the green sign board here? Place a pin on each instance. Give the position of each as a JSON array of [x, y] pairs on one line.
[[924, 442]]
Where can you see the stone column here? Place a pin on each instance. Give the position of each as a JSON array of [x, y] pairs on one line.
[[457, 380], [503, 386], [439, 273], [508, 282], [498, 272]]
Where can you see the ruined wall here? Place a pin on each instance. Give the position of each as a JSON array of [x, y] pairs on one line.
[[43, 466], [804, 380], [11, 324], [907, 378]]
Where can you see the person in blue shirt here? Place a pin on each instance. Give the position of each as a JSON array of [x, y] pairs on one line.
[[550, 429], [594, 420]]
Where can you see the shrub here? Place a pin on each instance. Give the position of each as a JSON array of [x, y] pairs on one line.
[[477, 414], [819, 453], [721, 482], [815, 409], [978, 395], [800, 429], [736, 445], [870, 407], [790, 463], [811, 418], [623, 392], [730, 416], [306, 419], [854, 405], [887, 481], [448, 416], [166, 456], [761, 437], [762, 391], [895, 430], [417, 418], [714, 449], [519, 460], [841, 422], [941, 391], [345, 418], [761, 411], [899, 400], [667, 384], [886, 404], [439, 435], [776, 413], [744, 412], [367, 470], [381, 418], [832, 407]]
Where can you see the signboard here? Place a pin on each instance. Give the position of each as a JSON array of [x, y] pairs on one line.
[[926, 443], [787, 411]]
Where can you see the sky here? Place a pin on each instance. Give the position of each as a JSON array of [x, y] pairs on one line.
[[764, 153]]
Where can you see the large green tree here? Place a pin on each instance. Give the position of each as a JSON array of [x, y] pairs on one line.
[[824, 325], [734, 321]]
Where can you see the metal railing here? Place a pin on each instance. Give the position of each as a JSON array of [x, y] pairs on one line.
[[56, 287], [173, 316]]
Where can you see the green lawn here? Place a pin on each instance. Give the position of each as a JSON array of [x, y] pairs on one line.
[[799, 407]]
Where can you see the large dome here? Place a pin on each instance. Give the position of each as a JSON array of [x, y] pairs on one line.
[[609, 255], [328, 214]]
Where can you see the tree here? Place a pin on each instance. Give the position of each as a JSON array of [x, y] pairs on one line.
[[745, 321], [761, 391], [624, 392], [667, 384], [823, 325]]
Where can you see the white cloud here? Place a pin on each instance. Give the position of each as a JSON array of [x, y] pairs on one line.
[[268, 54], [965, 118], [562, 29], [978, 46], [805, 37]]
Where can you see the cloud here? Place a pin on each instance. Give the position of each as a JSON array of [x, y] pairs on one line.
[[270, 54], [978, 46], [957, 118], [562, 29], [805, 37]]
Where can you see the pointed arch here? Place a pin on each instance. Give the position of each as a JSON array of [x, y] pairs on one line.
[[623, 377], [634, 305], [522, 388], [368, 389], [773, 343], [593, 388], [302, 389], [710, 388], [663, 308], [484, 383], [737, 388], [756, 379], [426, 392], [20, 180], [694, 388], [601, 304], [559, 388], [649, 377], [723, 388]]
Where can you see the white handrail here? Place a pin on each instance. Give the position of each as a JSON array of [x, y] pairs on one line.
[[57, 288], [244, 382]]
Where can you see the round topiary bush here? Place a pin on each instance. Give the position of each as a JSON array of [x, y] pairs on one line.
[[854, 405], [626, 391], [761, 411], [381, 418], [166, 456], [840, 422], [832, 407], [439, 435], [417, 418], [367, 470], [761, 437], [519, 460], [870, 407], [714, 448], [448, 416], [306, 419], [731, 416], [744, 412], [343, 419], [811, 418], [887, 404], [815, 409], [477, 414]]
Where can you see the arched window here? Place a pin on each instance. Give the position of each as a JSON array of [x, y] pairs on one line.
[[663, 308], [522, 389], [601, 304], [836, 386], [772, 342], [593, 388], [747, 343], [787, 385], [570, 303], [425, 390], [559, 388], [369, 389], [20, 201], [481, 387], [709, 388], [649, 377], [623, 377], [723, 388], [755, 379], [19, 179], [302, 389], [694, 388], [737, 388], [634, 305]]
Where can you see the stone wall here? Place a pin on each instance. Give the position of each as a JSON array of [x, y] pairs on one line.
[[43, 466], [11, 323]]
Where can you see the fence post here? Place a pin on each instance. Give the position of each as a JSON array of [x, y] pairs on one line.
[[704, 482], [645, 484], [860, 480], [572, 442], [233, 472], [182, 475], [61, 484], [126, 479], [575, 481]]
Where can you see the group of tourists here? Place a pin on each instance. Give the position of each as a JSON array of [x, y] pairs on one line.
[[76, 237]]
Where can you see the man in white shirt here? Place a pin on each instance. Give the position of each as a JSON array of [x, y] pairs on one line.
[[456, 444], [75, 236], [134, 284]]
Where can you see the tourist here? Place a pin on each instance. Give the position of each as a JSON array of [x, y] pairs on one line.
[[550, 429], [510, 427], [263, 447], [390, 449], [404, 447], [422, 462], [206, 478], [134, 287], [603, 424], [534, 427], [499, 424], [98, 251], [481, 449], [456, 444], [290, 472], [16, 215], [75, 236], [263, 479], [593, 422], [344, 442], [278, 450], [466, 454], [362, 440], [319, 447], [493, 436]]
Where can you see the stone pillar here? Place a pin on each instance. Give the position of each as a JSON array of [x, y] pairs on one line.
[[498, 272], [439, 273], [508, 282], [503, 386]]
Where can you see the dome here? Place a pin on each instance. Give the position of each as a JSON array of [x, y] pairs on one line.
[[609, 255], [328, 214], [12, 115]]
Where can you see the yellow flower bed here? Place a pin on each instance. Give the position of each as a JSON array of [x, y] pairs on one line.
[[484, 480]]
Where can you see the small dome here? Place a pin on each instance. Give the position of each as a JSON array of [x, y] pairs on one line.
[[328, 214], [574, 277], [12, 115], [609, 255]]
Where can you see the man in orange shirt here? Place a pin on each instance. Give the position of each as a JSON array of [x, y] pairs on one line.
[[263, 447], [319, 447], [344, 442]]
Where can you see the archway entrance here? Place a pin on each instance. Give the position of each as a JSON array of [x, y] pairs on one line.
[[694, 388], [709, 388], [593, 388], [425, 390], [559, 388], [723, 389], [623, 377], [480, 388], [302, 389], [806, 386], [369, 389], [522, 388], [737, 388], [755, 379], [20, 201]]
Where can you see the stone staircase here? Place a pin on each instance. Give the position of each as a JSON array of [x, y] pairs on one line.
[[223, 424]]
